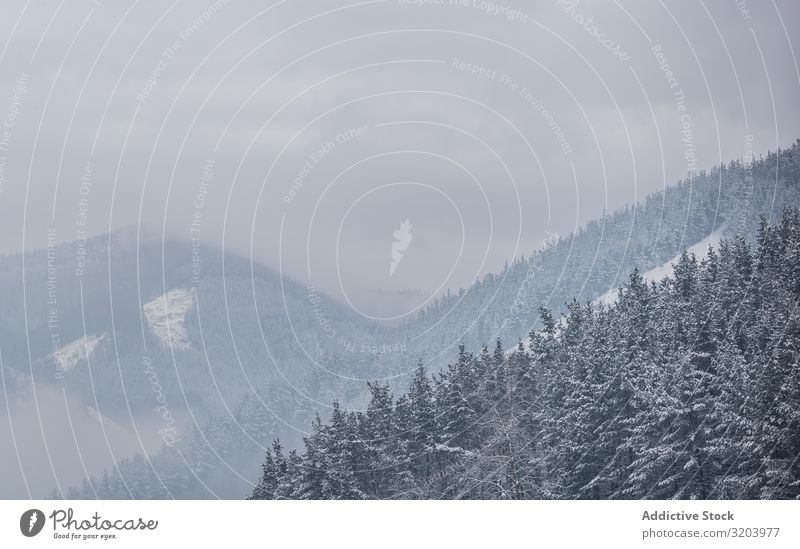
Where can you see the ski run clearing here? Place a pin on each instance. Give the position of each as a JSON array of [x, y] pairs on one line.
[[656, 274], [68, 356], [166, 316]]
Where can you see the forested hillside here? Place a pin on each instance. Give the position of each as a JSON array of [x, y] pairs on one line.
[[689, 388], [134, 354], [600, 254], [253, 366]]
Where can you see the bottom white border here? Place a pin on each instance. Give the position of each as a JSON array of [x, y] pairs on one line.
[[379, 524]]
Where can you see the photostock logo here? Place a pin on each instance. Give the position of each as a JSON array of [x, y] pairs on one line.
[[31, 522], [402, 239]]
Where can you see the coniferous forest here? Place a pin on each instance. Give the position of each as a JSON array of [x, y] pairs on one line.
[[632, 383], [687, 388]]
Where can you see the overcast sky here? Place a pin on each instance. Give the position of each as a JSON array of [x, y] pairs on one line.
[[304, 132]]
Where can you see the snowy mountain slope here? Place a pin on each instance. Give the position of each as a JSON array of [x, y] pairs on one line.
[[68, 356], [656, 274], [277, 311], [166, 316], [699, 249], [100, 418], [13, 382]]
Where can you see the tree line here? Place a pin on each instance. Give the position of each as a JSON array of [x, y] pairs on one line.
[[687, 388]]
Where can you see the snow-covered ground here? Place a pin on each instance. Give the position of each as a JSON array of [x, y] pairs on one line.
[[68, 356], [166, 316], [699, 249]]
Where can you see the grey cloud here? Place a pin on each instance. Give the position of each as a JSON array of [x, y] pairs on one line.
[[577, 86]]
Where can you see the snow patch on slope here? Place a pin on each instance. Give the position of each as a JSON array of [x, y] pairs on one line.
[[68, 356], [100, 418], [166, 316], [700, 249], [14, 381]]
